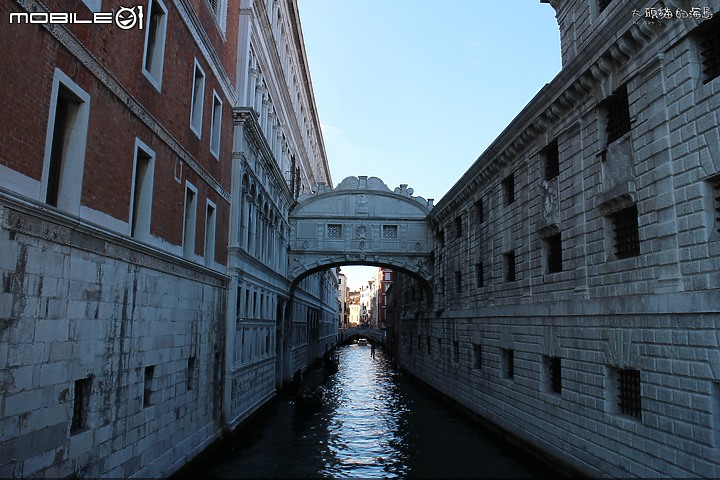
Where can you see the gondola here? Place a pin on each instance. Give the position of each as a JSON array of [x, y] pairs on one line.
[[312, 399]]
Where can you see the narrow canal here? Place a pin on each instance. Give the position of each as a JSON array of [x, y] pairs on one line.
[[375, 423]]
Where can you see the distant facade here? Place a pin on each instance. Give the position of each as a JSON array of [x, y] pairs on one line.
[[343, 294], [145, 180], [577, 262]]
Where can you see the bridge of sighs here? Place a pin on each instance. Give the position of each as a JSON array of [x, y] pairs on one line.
[[361, 222]]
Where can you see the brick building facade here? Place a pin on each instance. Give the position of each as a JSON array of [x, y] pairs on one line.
[[127, 159]]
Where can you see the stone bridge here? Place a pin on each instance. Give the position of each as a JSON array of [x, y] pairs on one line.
[[361, 222], [346, 334]]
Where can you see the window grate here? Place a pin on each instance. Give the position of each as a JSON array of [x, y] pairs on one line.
[[625, 227], [629, 399], [554, 253], [214, 4], [390, 232], [709, 42], [510, 267], [509, 363], [479, 211], [479, 275], [552, 160], [555, 367], [617, 110], [508, 186], [81, 405], [458, 227], [456, 351], [458, 281], [603, 4], [334, 231], [477, 351], [716, 187]]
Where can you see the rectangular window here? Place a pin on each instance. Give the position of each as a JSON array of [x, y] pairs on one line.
[[215, 126], [155, 32], [439, 346], [479, 275], [65, 143], [458, 227], [458, 281], [334, 231], [708, 39], [477, 356], [625, 232], [508, 188], [191, 373], [553, 248], [509, 266], [389, 232], [189, 221], [628, 392], [508, 363], [427, 341], [148, 386], [142, 191], [603, 4], [553, 368], [456, 351], [210, 233], [551, 159], [715, 193], [81, 405], [198, 98], [617, 114], [441, 237], [479, 211]]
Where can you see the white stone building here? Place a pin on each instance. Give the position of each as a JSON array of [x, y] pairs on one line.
[[577, 262], [278, 154]]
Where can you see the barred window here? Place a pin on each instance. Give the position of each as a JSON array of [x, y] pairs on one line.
[[715, 183], [479, 275], [603, 4], [390, 232], [553, 245], [625, 232], [508, 363], [458, 281], [552, 160], [708, 39], [477, 355], [479, 211], [508, 188], [554, 373], [334, 231], [81, 405], [441, 237], [458, 227], [456, 351], [617, 114], [628, 392], [509, 266]]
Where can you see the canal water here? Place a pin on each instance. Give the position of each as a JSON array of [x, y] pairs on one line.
[[375, 423]]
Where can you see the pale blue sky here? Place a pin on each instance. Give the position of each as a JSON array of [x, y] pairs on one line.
[[413, 91]]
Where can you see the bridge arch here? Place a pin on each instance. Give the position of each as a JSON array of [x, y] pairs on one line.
[[361, 222]]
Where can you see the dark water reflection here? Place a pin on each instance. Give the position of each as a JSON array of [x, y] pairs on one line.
[[375, 424]]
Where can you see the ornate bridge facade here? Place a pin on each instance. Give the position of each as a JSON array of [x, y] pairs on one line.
[[361, 222]]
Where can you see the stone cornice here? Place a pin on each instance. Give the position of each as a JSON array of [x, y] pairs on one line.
[[247, 118]]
